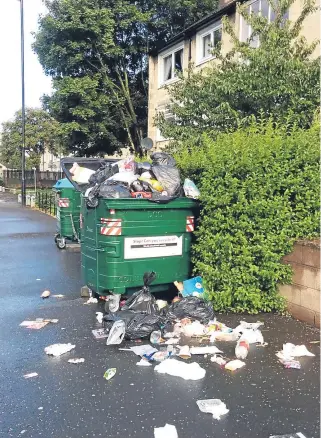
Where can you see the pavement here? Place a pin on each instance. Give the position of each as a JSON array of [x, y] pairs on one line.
[[69, 401]]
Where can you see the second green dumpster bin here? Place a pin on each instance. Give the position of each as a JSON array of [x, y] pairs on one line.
[[121, 239], [68, 212]]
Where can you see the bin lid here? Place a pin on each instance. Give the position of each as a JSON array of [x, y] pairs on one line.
[[89, 163], [63, 183]]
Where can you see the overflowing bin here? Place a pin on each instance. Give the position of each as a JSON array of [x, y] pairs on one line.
[[68, 204], [122, 239]]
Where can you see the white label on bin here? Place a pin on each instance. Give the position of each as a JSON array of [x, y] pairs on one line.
[[157, 246]]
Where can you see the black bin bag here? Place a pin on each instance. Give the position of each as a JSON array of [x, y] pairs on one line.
[[143, 301], [191, 307]]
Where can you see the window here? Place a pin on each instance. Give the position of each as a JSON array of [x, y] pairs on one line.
[[171, 64], [257, 7], [208, 39]]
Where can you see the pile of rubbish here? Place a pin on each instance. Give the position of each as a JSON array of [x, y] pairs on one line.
[[158, 181]]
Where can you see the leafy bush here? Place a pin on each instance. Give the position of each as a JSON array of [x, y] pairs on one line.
[[259, 192]]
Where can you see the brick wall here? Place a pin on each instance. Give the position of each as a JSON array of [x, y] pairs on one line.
[[303, 295]]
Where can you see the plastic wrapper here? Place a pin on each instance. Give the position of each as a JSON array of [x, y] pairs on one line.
[[190, 189], [191, 307], [124, 177], [143, 301], [187, 371], [117, 333], [81, 174], [290, 435], [143, 167], [163, 159], [127, 165], [168, 431], [169, 178], [115, 191], [213, 406]]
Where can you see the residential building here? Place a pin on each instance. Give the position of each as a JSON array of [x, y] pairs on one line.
[[193, 45]]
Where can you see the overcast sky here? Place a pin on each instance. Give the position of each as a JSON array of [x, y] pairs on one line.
[[10, 80]]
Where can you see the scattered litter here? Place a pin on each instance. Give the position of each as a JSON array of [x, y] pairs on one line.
[[99, 333], [161, 304], [75, 361], [28, 376], [45, 294], [99, 317], [194, 329], [193, 287], [142, 350], [172, 341], [176, 368], [38, 279], [58, 296], [290, 351], [40, 408], [116, 333], [221, 336], [168, 431], [291, 435], [144, 363], [314, 342], [159, 356], [109, 374], [91, 300], [250, 332], [143, 300], [295, 364], [190, 189], [35, 325], [184, 352], [23, 431], [59, 349], [213, 406], [155, 337], [234, 365], [191, 307], [210, 349], [242, 349], [217, 358]]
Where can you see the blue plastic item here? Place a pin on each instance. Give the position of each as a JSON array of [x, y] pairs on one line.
[[193, 287], [63, 183]]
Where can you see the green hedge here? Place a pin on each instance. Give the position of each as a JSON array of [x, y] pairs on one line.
[[259, 193]]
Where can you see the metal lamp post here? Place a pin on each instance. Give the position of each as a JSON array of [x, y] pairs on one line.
[[35, 178], [23, 112]]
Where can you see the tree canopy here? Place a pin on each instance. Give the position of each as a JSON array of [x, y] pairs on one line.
[[272, 74], [42, 131], [96, 52]]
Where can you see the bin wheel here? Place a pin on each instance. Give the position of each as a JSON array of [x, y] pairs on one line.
[[112, 305], [56, 238], [61, 243]]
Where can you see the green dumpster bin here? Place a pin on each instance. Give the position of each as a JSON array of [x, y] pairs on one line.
[[68, 213], [121, 239]]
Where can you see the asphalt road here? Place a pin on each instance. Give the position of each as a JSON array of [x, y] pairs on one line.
[[67, 400]]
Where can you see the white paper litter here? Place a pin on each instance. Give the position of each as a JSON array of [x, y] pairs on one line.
[[144, 363], [233, 365], [99, 317], [172, 341], [140, 350], [213, 406], [210, 349], [218, 359], [116, 333], [91, 300], [28, 376], [173, 367], [168, 431], [99, 333], [58, 349], [291, 351], [194, 329], [75, 361]]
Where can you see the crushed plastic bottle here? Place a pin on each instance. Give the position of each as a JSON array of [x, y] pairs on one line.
[[242, 349]]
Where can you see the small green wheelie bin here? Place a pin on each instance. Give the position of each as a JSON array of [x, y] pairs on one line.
[[121, 239], [68, 213]]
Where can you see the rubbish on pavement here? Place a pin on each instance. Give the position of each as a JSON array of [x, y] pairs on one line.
[[168, 431], [295, 364], [242, 349], [117, 333], [45, 294], [226, 337], [59, 349], [314, 342], [144, 363], [35, 325], [179, 286], [76, 360], [141, 350], [109, 374], [159, 356], [217, 358], [172, 341], [161, 304], [173, 367], [249, 325], [290, 351], [193, 287], [99, 317], [249, 331], [91, 300], [213, 406], [143, 301], [191, 307], [99, 333], [58, 296], [30, 375], [190, 189], [184, 352], [291, 435], [138, 325], [233, 365], [210, 349], [194, 329], [155, 337]]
